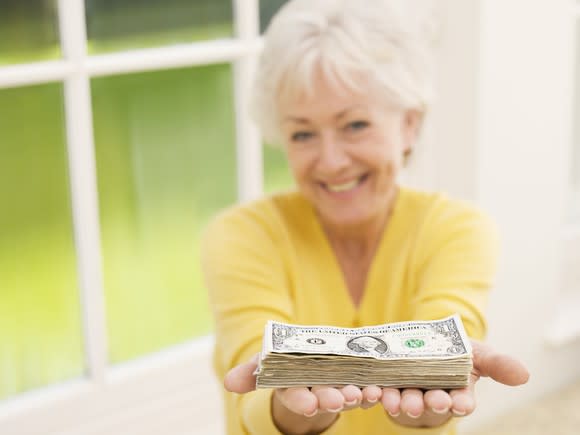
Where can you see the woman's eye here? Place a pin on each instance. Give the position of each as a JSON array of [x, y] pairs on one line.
[[301, 136], [357, 125]]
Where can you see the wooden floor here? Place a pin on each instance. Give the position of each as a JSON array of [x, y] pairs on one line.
[[556, 414]]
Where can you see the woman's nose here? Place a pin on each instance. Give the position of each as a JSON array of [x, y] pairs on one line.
[[332, 155]]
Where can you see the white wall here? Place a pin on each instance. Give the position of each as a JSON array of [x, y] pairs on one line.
[[503, 135]]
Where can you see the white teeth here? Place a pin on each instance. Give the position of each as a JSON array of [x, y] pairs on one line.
[[343, 187]]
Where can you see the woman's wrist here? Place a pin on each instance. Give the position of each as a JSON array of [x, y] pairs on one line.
[[290, 423]]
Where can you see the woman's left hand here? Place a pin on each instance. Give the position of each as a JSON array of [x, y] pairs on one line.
[[415, 408]]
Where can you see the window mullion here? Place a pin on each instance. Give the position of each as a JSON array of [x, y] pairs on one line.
[[34, 73], [168, 57], [249, 147], [82, 168]]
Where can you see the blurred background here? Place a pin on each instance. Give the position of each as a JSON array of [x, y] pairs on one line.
[[123, 129]]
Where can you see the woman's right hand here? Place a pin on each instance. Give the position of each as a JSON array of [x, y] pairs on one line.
[[301, 409]]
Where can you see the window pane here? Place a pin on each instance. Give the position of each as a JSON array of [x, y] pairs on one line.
[[166, 163], [277, 174], [267, 10], [576, 144], [40, 333], [125, 24], [28, 31]]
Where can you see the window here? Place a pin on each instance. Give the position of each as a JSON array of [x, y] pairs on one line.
[[109, 172], [28, 31], [165, 148], [277, 175], [276, 171], [40, 328], [117, 24]]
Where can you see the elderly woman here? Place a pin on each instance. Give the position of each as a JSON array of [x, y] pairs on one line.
[[343, 88]]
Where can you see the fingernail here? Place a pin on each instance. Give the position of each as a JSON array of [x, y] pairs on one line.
[[441, 411], [334, 411], [312, 414], [394, 415], [459, 413], [352, 402], [413, 416], [375, 400]]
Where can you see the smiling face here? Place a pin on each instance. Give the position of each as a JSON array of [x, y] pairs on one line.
[[346, 150]]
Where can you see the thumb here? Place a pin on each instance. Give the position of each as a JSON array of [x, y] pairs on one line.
[[500, 367], [241, 378]]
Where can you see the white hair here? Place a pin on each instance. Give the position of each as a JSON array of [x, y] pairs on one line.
[[355, 43]]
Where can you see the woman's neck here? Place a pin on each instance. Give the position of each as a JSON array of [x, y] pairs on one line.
[[361, 240]]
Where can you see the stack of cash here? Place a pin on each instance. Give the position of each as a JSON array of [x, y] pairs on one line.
[[425, 354]]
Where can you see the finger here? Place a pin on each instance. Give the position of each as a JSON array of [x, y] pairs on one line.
[[498, 366], [352, 396], [438, 401], [463, 402], [412, 402], [299, 400], [370, 396], [329, 399], [464, 399], [391, 400], [241, 378]]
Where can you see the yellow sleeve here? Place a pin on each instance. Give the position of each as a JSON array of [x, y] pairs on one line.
[[456, 268], [245, 276]]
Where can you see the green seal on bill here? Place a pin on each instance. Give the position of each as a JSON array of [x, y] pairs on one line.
[[414, 343]]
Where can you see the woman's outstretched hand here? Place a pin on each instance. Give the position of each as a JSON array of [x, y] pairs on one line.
[[301, 409], [413, 407], [317, 407]]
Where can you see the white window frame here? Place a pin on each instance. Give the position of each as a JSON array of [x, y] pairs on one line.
[[132, 397]]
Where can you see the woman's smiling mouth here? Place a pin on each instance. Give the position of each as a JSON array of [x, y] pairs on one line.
[[345, 187]]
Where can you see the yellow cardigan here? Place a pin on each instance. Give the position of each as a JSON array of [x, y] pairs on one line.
[[271, 260]]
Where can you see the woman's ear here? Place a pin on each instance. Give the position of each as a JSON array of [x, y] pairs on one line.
[[412, 121]]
